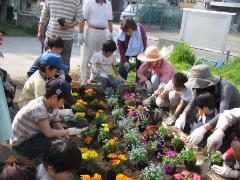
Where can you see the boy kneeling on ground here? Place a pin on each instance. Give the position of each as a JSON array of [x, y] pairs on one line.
[[32, 132], [103, 63]]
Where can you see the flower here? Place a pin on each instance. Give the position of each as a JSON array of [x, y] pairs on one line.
[[74, 94], [115, 162], [122, 177], [113, 141], [159, 156], [112, 156], [81, 102], [97, 177], [85, 177], [168, 168], [185, 173], [88, 140], [141, 107], [171, 154], [88, 153], [80, 114], [129, 96], [89, 91], [178, 176], [122, 157], [105, 127]]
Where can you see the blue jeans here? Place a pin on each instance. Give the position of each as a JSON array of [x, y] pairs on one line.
[[34, 147], [155, 80]]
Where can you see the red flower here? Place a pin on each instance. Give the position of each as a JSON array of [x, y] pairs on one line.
[[149, 128], [178, 176]]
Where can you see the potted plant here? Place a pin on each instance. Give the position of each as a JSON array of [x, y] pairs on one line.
[[216, 158], [153, 172], [88, 156], [142, 122], [150, 131], [178, 144], [111, 145], [130, 99], [189, 157], [131, 138], [139, 156], [121, 176], [87, 136], [89, 94], [165, 133], [96, 176], [186, 175], [117, 113], [103, 132], [125, 124], [78, 116], [100, 118], [112, 102], [170, 162], [79, 106], [97, 104]]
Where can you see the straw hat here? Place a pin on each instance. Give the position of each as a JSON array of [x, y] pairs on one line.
[[201, 77], [152, 53]]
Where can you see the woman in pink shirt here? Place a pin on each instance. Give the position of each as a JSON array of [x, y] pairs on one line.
[[156, 68]]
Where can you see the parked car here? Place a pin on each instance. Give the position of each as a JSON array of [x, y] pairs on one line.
[[130, 11]]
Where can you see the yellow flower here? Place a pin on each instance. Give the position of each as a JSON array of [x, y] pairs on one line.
[[85, 177], [105, 127], [113, 141], [81, 102], [112, 156], [115, 162], [80, 114], [74, 94], [97, 177], [122, 157], [88, 153], [123, 177]]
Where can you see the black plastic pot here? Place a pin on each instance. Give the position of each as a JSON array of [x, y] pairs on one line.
[[111, 174], [190, 165], [141, 166], [141, 128], [179, 147]]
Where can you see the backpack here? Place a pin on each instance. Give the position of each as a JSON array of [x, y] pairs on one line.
[[9, 87]]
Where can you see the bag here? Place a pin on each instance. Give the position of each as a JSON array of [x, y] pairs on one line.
[[9, 87]]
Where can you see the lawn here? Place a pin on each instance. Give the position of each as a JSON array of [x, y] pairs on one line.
[[11, 29]]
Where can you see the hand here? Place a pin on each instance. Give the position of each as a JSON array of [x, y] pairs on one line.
[[170, 120], [76, 131], [40, 35], [214, 141], [225, 171], [180, 122], [66, 26], [80, 38], [157, 92], [197, 135], [120, 78], [149, 86], [126, 66], [66, 112]]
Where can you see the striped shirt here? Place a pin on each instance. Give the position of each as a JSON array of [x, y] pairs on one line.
[[25, 123], [57, 9]]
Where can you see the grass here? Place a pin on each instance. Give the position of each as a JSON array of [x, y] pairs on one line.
[[11, 29]]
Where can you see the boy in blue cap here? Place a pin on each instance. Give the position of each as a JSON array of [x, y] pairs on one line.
[[32, 132], [35, 86]]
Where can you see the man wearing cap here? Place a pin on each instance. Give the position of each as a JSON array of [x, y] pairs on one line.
[[98, 15], [35, 86], [32, 132], [156, 68], [226, 97]]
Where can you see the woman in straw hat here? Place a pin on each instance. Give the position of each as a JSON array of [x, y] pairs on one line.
[[225, 93], [155, 69]]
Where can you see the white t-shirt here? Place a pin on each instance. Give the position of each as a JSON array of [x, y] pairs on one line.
[[96, 14], [102, 65], [186, 93]]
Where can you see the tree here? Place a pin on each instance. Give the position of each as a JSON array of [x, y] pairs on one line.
[[3, 10]]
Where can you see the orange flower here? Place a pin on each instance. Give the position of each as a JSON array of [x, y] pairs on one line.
[[115, 162], [97, 115], [85, 177], [122, 157], [123, 177], [100, 111], [97, 177], [89, 91], [112, 156], [113, 141], [88, 140]]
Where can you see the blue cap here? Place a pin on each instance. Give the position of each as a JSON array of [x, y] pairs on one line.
[[60, 87], [52, 59]]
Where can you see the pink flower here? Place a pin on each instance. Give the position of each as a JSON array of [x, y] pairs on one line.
[[141, 107], [196, 177], [178, 176], [185, 173], [171, 154], [129, 96]]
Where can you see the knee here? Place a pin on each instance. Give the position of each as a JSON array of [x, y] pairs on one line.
[[235, 146], [161, 103]]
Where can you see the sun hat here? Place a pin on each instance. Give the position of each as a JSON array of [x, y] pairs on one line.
[[201, 77], [53, 59], [152, 53]]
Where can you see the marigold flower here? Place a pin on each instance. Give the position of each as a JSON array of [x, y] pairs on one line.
[[112, 156], [115, 162], [89, 91], [122, 157], [97, 177], [113, 141], [80, 114], [85, 177], [123, 177], [88, 140], [74, 94]]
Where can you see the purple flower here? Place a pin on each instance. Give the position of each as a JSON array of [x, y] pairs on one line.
[[159, 156], [168, 168], [161, 142], [171, 154]]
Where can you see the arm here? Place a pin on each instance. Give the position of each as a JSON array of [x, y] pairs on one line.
[[226, 93], [110, 18], [58, 126], [110, 26], [144, 36], [140, 73], [122, 51], [180, 108], [69, 25], [163, 94], [43, 20], [166, 71]]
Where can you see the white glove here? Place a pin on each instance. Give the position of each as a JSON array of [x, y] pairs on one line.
[[76, 131], [149, 86], [197, 135], [126, 66], [225, 171], [170, 120], [120, 78], [215, 140], [66, 112], [80, 39], [180, 122]]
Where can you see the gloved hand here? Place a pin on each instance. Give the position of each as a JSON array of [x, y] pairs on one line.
[[66, 112], [225, 171], [126, 66], [197, 135], [120, 78], [180, 122], [170, 120], [76, 131], [149, 87], [80, 38], [215, 140]]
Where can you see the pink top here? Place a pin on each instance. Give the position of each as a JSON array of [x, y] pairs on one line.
[[163, 69]]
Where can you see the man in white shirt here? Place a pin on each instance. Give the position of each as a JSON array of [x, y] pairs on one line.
[[98, 15]]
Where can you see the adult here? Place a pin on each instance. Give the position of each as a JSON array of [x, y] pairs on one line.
[[98, 15], [156, 68], [131, 41], [225, 93], [35, 86], [37, 123], [62, 17]]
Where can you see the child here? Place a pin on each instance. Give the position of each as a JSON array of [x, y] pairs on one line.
[[32, 132], [60, 160], [103, 63], [205, 103], [35, 86], [55, 45]]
